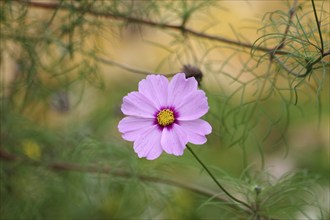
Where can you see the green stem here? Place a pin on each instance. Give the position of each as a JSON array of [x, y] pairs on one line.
[[216, 181], [318, 27]]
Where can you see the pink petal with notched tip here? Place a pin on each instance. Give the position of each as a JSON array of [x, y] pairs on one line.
[[136, 104], [192, 106], [132, 127], [196, 130], [180, 87], [174, 140], [154, 87], [148, 144]]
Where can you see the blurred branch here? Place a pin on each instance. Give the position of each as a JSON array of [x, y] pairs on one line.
[[4, 155], [7, 156], [122, 66], [131, 19], [125, 67]]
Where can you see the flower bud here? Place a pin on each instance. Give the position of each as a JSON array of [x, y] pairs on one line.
[[193, 71]]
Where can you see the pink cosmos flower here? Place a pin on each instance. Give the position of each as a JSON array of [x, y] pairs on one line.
[[164, 116]]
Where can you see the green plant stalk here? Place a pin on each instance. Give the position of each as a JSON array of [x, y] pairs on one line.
[[216, 181]]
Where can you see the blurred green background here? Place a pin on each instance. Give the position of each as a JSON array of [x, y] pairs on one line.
[[65, 70]]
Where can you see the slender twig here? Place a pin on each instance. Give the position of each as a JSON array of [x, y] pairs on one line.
[[326, 53], [282, 42], [216, 181], [131, 19], [318, 27], [122, 66], [291, 13]]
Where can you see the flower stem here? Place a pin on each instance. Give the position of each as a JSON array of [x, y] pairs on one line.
[[216, 181]]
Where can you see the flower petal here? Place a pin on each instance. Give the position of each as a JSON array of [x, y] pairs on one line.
[[155, 87], [192, 106], [179, 88], [132, 127], [174, 140], [196, 130], [148, 144], [136, 104]]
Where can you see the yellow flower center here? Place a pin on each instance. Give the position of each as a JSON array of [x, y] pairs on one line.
[[165, 117]]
